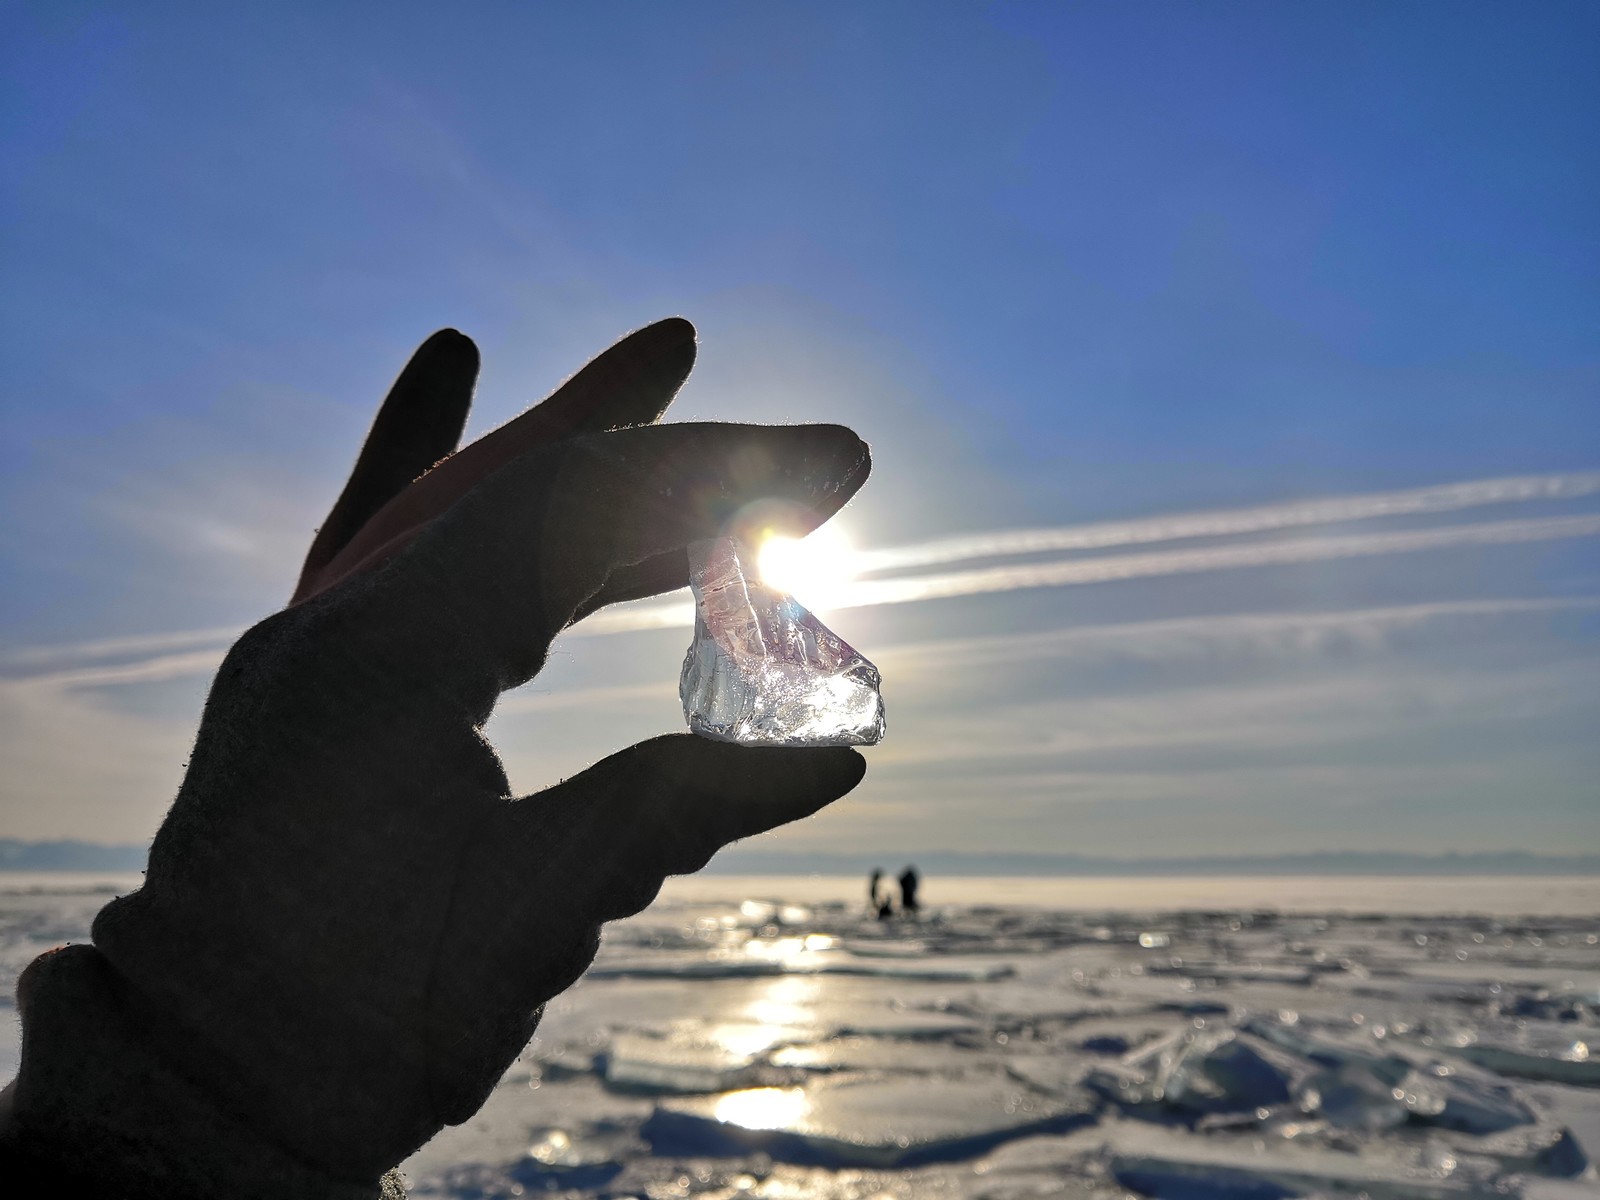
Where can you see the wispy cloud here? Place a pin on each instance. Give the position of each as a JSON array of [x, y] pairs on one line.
[[1256, 632], [533, 700], [78, 766], [1365, 748], [151, 670], [1276, 635], [1182, 726], [119, 647]]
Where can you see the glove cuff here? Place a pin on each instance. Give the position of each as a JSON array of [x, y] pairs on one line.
[[95, 1104]]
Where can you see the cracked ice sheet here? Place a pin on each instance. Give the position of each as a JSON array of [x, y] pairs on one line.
[[1374, 993]]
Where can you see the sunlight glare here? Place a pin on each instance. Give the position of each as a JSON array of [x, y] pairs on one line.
[[786, 1000], [746, 1041], [813, 567], [763, 1108]]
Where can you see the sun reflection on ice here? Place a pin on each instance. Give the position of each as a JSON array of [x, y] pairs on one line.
[[790, 951], [789, 1000], [763, 1108], [747, 1041]]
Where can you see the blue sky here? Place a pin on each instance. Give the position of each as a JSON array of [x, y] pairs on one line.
[[1094, 270]]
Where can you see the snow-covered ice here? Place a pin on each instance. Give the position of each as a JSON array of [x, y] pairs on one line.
[[750, 1045]]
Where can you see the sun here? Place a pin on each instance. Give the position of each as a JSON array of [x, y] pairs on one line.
[[814, 567]]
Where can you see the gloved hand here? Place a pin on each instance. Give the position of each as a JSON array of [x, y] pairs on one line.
[[348, 927]]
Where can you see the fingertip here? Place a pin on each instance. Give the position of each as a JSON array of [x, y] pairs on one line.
[[673, 350], [672, 331], [773, 771], [451, 343], [853, 767], [670, 338], [736, 768], [843, 768], [818, 467], [838, 456], [769, 786]]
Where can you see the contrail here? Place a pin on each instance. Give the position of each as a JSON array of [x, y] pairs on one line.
[[863, 593], [1217, 558], [33, 663], [1449, 497]]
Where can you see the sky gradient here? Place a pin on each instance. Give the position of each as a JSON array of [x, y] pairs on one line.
[[1232, 373]]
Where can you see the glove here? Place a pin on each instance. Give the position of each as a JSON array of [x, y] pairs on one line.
[[349, 927]]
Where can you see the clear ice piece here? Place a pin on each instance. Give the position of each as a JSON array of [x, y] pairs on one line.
[[764, 671]]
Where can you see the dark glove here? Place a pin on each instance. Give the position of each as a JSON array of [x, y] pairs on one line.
[[348, 927]]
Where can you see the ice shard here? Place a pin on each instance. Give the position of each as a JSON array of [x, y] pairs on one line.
[[764, 671]]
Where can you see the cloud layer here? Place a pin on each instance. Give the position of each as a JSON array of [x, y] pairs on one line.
[[1187, 714]]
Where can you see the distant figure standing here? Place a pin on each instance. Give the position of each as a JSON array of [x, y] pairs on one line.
[[881, 905], [908, 890]]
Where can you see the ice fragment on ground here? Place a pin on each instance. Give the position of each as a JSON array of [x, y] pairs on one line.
[[1469, 1103], [1365, 1087], [1198, 1070], [1175, 1166], [1563, 1157], [1575, 1109], [763, 670], [636, 1063], [562, 1065], [1557, 1189], [695, 1058], [852, 1053], [579, 1158], [1251, 1073], [1354, 1097], [1547, 1148], [862, 1122], [1054, 1073], [1569, 1063]]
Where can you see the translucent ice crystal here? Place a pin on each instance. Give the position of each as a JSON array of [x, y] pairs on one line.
[[762, 670]]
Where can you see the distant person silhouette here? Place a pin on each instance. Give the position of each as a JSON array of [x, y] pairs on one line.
[[908, 890], [882, 905], [349, 927]]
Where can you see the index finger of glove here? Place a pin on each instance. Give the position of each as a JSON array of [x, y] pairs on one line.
[[470, 608], [632, 383]]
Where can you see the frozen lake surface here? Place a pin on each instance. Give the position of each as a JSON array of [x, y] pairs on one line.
[[1173, 1038]]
